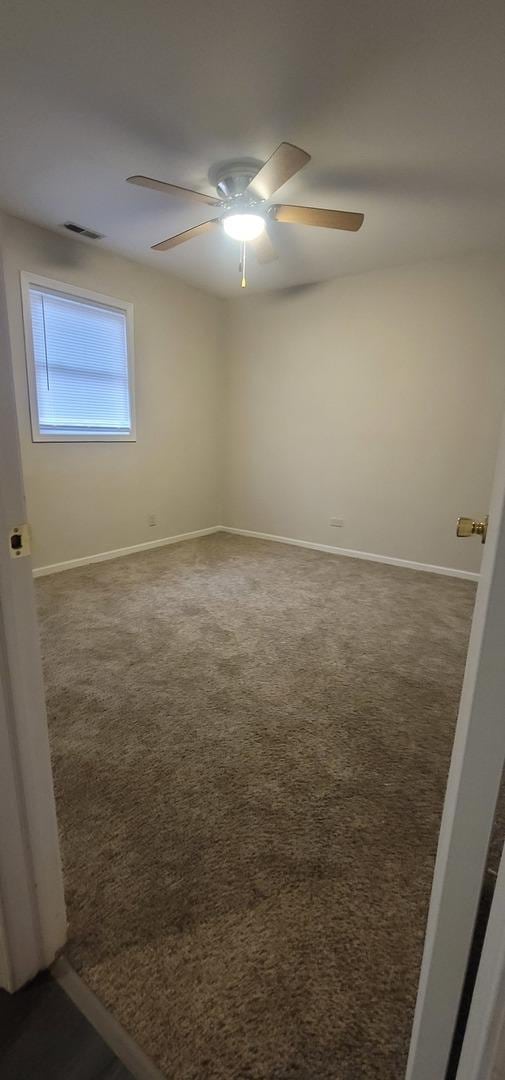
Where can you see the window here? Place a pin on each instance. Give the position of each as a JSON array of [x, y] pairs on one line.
[[79, 351]]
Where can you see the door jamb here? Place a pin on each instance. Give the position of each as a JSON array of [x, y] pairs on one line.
[[483, 1048], [32, 907]]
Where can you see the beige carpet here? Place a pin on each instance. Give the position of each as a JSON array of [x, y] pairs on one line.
[[250, 746]]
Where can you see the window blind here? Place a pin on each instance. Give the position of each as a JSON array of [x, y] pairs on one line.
[[80, 351]]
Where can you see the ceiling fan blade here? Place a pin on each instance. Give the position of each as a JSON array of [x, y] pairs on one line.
[[172, 189], [281, 165], [263, 248], [180, 238], [312, 215]]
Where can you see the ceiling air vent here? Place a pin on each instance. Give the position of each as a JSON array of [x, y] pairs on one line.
[[82, 231]]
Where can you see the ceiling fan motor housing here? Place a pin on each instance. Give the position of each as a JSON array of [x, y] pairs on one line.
[[233, 180]]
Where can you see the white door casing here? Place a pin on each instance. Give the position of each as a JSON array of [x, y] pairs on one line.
[[32, 908], [472, 790], [32, 911]]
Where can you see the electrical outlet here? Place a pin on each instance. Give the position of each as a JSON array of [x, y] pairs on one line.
[[337, 523], [152, 521]]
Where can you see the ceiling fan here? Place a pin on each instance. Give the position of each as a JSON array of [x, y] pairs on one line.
[[243, 192]]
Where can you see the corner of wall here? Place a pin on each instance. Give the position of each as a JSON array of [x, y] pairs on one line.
[[226, 448]]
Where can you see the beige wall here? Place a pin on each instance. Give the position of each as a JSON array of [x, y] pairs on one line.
[[85, 498], [376, 399]]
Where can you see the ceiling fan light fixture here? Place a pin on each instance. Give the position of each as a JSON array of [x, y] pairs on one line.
[[244, 226]]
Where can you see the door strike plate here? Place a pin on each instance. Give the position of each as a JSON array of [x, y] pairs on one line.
[[20, 541]]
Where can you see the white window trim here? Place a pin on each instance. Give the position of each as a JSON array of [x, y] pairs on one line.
[[28, 279]]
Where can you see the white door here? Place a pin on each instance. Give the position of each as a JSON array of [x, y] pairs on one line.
[[474, 778]]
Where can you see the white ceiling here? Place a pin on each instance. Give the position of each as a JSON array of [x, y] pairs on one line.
[[401, 104]]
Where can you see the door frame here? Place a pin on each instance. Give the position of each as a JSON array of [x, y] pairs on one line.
[[32, 906]]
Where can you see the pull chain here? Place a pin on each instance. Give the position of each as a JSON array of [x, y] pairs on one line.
[[243, 283]]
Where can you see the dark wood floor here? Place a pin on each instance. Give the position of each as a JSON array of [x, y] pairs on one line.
[[43, 1036]]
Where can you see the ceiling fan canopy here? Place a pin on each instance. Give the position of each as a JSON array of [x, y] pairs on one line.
[[243, 194]]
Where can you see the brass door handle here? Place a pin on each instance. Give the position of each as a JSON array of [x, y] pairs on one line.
[[469, 527]]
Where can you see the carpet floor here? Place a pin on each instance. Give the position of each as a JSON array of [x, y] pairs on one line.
[[250, 745]]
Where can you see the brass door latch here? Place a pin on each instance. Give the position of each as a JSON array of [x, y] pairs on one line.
[[468, 527]]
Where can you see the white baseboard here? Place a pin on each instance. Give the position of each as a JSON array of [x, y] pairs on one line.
[[407, 564], [449, 571], [103, 556]]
